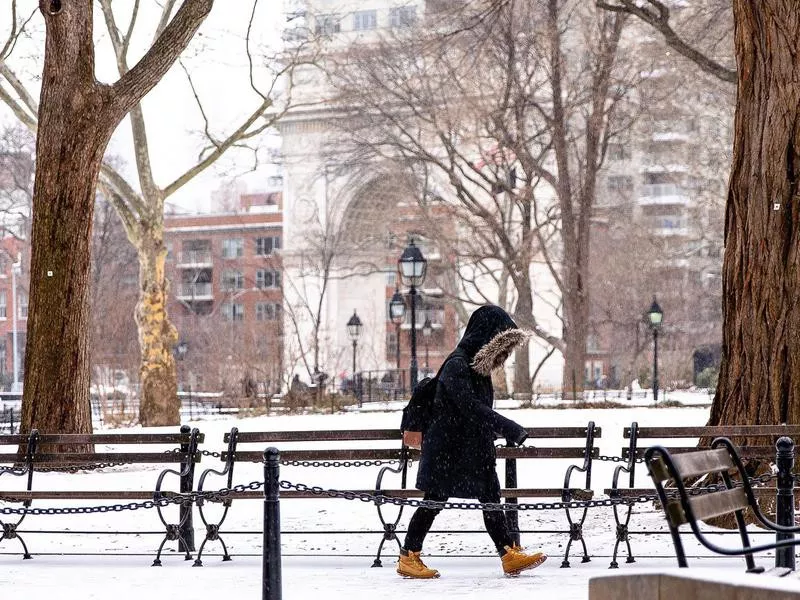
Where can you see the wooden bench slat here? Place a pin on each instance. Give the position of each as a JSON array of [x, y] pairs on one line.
[[412, 493], [715, 431], [636, 492], [395, 453], [246, 437], [744, 451], [103, 438], [693, 464], [716, 504], [81, 495], [71, 458]]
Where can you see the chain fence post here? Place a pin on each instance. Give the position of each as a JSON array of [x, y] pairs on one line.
[[271, 557], [187, 483], [784, 457]]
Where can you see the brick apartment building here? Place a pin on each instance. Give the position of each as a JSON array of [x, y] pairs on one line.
[[226, 295], [13, 291]]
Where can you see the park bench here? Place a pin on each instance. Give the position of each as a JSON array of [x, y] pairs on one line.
[[24, 455], [680, 440], [733, 496], [395, 460]]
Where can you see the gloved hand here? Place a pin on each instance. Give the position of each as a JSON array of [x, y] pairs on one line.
[[518, 437]]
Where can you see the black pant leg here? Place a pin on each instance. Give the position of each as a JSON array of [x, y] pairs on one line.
[[496, 525], [420, 524]]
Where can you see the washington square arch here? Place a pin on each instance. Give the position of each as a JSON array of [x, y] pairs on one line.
[[346, 223]]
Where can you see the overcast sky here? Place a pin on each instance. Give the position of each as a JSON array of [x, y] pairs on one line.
[[217, 62]]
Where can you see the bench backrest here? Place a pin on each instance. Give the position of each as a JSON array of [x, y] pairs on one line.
[[586, 435], [64, 449], [761, 440], [583, 448], [682, 507]]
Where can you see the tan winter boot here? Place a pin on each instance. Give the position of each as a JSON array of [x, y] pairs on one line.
[[411, 565], [515, 560]]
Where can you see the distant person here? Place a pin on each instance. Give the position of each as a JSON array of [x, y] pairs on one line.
[[458, 454]]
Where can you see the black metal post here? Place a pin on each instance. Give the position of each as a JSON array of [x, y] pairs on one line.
[[512, 516], [358, 395], [187, 483], [655, 364], [271, 557], [413, 370], [399, 374], [784, 458]]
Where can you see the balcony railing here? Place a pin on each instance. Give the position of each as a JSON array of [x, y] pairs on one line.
[[659, 190], [195, 258], [195, 291]]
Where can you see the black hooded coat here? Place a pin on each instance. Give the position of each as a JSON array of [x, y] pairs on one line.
[[458, 453]]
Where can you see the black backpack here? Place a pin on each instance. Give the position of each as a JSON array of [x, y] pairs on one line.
[[418, 412]]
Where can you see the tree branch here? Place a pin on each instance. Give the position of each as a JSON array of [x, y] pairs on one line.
[[659, 20], [145, 74]]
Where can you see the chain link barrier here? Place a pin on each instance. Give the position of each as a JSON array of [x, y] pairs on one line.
[[326, 464], [167, 498]]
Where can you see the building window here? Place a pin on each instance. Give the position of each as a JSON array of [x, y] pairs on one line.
[[267, 311], [22, 300], [620, 183], [232, 280], [266, 245], [169, 250], [403, 16], [618, 152], [3, 357], [267, 279], [391, 344], [232, 311], [391, 278], [365, 19], [328, 24], [233, 248], [2, 305]]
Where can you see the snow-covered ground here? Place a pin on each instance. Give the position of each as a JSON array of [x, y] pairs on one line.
[[103, 564]]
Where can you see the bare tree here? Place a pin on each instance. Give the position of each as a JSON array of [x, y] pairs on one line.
[[759, 382], [141, 210], [504, 123]]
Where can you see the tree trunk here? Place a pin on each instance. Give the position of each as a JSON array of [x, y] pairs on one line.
[[759, 380], [523, 315], [576, 319], [72, 136], [159, 403]]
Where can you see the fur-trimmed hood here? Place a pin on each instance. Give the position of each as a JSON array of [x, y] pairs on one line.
[[495, 353], [489, 339]]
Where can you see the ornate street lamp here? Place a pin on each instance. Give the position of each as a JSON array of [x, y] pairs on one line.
[[354, 326], [412, 266], [427, 330], [655, 316]]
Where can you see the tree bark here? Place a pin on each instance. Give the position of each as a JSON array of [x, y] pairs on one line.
[[523, 315], [159, 403], [576, 320], [72, 137], [77, 116], [759, 380]]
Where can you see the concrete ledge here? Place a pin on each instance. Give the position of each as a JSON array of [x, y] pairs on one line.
[[703, 584]]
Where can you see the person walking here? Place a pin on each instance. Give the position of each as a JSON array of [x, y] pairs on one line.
[[458, 453]]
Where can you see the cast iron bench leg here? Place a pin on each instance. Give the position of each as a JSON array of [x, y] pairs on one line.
[[575, 535], [622, 536], [10, 533]]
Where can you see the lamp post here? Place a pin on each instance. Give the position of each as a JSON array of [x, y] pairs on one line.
[[16, 269], [412, 266], [354, 326], [397, 313], [427, 330], [655, 316]]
